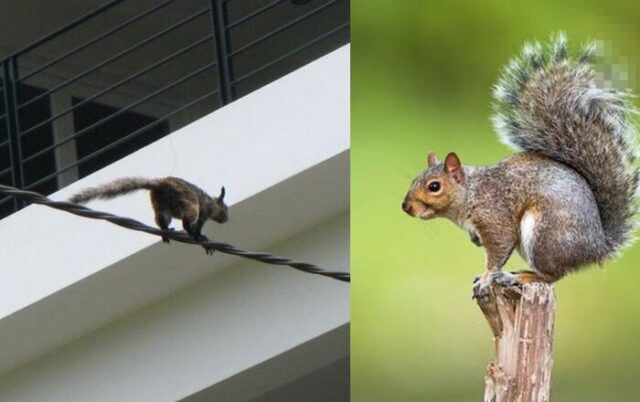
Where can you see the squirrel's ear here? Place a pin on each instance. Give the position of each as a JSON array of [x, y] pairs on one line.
[[221, 196], [432, 159], [452, 163], [453, 166]]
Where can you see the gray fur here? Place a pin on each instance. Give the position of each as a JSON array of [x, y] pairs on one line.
[[114, 189], [556, 109]]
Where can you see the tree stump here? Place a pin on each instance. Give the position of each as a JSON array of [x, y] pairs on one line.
[[521, 319]]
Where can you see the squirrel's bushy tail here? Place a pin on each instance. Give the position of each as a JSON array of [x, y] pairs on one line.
[[114, 189], [549, 103]]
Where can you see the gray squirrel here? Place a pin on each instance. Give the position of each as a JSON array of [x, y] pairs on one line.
[[170, 197], [568, 198]]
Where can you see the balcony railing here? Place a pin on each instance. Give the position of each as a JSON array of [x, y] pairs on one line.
[[102, 86]]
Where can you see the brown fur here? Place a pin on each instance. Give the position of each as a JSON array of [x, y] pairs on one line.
[[171, 197]]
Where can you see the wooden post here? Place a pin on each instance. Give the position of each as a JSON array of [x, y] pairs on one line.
[[521, 320]]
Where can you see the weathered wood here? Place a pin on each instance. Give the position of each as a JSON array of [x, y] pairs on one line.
[[522, 324]]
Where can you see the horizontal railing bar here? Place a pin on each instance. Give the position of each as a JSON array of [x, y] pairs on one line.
[[96, 39], [3, 116], [283, 27], [64, 29], [254, 13], [116, 56], [5, 142], [290, 53], [118, 113], [7, 170], [119, 83], [121, 140]]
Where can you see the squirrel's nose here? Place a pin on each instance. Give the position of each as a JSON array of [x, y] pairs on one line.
[[406, 207]]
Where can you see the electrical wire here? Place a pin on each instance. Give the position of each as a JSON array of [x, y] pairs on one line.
[[178, 236]]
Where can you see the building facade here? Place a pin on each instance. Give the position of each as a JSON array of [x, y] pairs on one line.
[[252, 95]]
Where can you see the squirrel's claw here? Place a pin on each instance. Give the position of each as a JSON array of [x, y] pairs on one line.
[[481, 288], [165, 239], [482, 284], [203, 238], [506, 279]]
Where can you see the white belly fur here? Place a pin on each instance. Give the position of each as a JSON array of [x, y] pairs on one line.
[[467, 226], [527, 228]]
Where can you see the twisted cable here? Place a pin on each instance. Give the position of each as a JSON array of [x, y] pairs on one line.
[[178, 236]]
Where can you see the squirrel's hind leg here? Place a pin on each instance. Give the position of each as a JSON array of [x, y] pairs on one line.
[[162, 213], [517, 278], [163, 220], [533, 226], [525, 276]]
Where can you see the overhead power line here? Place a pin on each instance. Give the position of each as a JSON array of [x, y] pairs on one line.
[[178, 236]]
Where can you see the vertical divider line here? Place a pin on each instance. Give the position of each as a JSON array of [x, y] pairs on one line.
[[221, 37]]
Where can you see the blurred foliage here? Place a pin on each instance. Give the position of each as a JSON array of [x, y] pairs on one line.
[[421, 78]]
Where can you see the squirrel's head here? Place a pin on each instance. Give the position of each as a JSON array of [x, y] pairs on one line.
[[434, 191], [221, 214]]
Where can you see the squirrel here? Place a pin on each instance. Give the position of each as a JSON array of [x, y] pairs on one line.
[[170, 197], [567, 199]]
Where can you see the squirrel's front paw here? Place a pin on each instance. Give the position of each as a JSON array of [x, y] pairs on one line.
[[203, 238], [200, 237], [481, 287], [482, 284]]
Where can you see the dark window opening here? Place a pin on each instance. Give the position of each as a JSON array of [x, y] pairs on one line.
[[36, 140], [96, 139], [31, 143]]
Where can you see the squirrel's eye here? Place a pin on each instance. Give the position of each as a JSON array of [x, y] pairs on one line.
[[434, 186]]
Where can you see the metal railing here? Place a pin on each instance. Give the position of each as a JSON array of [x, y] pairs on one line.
[[233, 47]]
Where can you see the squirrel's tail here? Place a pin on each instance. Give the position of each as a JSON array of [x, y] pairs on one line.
[[114, 189], [551, 104]]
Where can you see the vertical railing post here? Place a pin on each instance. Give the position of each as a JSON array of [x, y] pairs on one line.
[[221, 35], [10, 76]]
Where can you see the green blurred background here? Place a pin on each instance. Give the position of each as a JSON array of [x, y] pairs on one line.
[[421, 78]]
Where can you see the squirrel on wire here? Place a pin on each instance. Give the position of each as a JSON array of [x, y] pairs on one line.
[[568, 198], [170, 197]]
